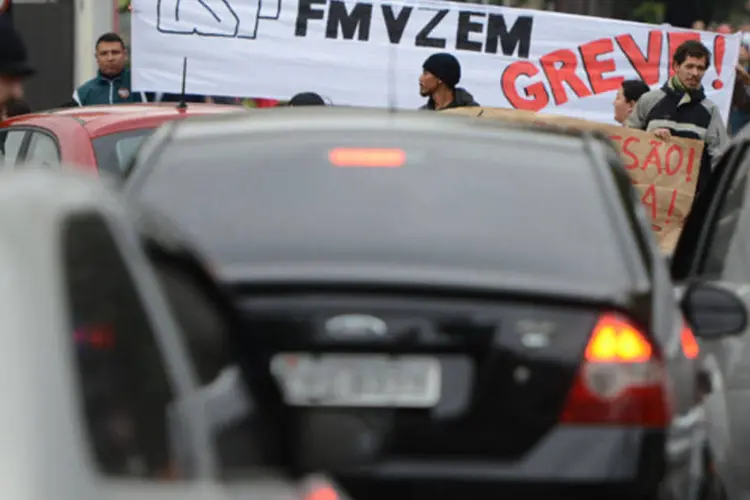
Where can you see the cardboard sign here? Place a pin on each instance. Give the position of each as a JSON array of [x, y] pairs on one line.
[[665, 172]]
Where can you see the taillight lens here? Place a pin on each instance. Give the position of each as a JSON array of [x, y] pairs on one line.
[[689, 345], [322, 492], [318, 487], [622, 380]]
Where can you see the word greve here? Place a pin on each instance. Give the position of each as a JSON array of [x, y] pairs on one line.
[[556, 76]]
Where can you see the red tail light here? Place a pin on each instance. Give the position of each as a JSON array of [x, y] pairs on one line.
[[689, 345], [317, 487], [321, 493], [622, 380]]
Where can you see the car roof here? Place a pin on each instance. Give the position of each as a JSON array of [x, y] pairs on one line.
[[318, 118], [98, 120]]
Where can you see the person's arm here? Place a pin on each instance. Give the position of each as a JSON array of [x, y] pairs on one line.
[[638, 118], [717, 138]]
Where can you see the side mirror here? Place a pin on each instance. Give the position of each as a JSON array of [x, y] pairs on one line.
[[714, 311]]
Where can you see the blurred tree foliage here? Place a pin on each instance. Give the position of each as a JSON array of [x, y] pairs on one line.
[[649, 11]]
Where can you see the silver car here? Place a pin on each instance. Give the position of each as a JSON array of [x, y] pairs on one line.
[[100, 397]]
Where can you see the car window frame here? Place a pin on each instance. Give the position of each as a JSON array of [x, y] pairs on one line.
[[24, 142], [691, 255], [124, 134], [173, 351], [740, 165], [634, 217]]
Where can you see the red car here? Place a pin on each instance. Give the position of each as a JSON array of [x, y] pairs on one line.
[[92, 138]]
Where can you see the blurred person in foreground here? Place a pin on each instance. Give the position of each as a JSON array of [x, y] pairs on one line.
[[680, 108], [112, 83], [627, 97], [15, 107], [14, 69], [14, 65], [440, 74]]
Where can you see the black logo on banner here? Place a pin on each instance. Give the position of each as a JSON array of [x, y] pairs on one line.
[[476, 31], [214, 18]]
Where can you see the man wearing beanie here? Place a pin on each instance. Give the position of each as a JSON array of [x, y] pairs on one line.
[[440, 74]]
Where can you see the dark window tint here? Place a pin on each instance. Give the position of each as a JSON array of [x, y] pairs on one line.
[[200, 320], [692, 244], [115, 151], [516, 205], [728, 251], [122, 375]]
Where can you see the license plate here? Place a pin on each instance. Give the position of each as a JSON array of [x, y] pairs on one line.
[[358, 380]]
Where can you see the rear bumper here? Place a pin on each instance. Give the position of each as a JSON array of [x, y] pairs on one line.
[[568, 464], [566, 454]]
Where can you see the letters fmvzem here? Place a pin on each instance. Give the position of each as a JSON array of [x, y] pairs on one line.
[[366, 52]]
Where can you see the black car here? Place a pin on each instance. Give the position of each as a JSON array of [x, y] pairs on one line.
[[452, 308]]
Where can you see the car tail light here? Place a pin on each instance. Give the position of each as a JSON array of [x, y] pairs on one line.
[[317, 487], [689, 345], [321, 492], [622, 380]]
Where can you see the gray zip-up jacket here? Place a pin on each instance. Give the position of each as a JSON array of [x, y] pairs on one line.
[[685, 113]]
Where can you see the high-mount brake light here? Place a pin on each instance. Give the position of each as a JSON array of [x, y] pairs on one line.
[[622, 380], [367, 157]]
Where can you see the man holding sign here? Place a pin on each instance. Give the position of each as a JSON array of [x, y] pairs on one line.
[[680, 108]]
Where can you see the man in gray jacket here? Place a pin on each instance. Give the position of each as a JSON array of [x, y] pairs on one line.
[[680, 108]]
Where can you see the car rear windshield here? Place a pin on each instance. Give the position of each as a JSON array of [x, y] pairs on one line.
[[469, 202], [114, 152]]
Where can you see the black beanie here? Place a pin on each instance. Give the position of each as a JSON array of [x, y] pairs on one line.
[[13, 56], [445, 67], [307, 99]]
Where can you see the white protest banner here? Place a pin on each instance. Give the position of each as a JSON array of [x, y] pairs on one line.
[[370, 52]]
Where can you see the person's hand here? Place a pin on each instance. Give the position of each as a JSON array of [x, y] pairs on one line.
[[663, 133]]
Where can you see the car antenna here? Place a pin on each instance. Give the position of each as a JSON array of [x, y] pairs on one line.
[[392, 100], [183, 104]]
